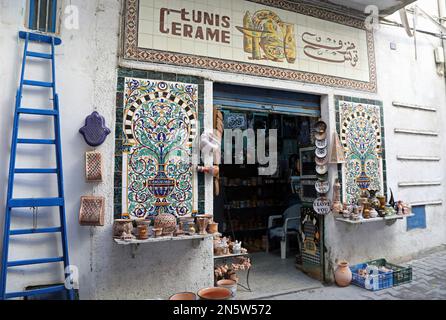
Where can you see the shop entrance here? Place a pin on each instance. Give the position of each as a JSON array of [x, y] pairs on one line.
[[271, 214]]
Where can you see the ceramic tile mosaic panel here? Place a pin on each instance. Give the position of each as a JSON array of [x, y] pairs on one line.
[[275, 39], [362, 137], [159, 125]]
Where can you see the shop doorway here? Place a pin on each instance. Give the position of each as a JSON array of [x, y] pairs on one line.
[[254, 208]]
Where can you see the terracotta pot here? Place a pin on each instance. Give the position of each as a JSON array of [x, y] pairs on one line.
[[143, 231], [202, 225], [228, 284], [167, 222], [343, 274], [183, 296], [213, 228], [215, 294]]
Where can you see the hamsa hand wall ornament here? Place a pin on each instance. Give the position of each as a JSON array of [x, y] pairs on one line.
[[95, 131], [160, 126], [267, 37]]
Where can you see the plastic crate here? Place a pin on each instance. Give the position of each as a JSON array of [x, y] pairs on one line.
[[382, 280], [401, 275]]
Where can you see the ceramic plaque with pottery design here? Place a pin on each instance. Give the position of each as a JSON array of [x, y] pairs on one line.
[[322, 206]]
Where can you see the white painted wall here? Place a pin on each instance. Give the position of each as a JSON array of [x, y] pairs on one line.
[[87, 63], [86, 79]]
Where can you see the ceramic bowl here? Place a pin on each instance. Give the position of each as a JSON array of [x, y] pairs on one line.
[[321, 161], [183, 296], [320, 127], [215, 294], [321, 143], [321, 169], [320, 135], [321, 153]]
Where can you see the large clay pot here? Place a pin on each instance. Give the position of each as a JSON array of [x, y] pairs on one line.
[[228, 284], [183, 296], [215, 294], [343, 274], [167, 222]]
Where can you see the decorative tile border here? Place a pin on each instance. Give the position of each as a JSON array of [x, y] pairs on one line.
[[133, 52]]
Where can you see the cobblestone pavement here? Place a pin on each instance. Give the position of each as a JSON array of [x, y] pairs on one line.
[[429, 283]]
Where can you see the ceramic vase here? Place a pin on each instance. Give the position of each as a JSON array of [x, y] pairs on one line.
[[120, 226], [167, 222], [202, 225], [343, 274], [213, 228]]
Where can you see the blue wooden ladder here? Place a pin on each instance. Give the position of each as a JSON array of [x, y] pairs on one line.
[[13, 203]]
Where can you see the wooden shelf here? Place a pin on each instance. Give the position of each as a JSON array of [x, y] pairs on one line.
[[391, 218]]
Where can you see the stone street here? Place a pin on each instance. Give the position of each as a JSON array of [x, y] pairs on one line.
[[429, 283]]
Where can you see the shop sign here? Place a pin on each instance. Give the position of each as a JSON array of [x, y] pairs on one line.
[[275, 39]]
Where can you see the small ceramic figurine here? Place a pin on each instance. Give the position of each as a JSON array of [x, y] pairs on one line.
[[373, 213], [237, 247], [400, 208]]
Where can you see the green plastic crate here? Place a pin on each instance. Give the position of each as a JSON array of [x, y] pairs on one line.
[[401, 275]]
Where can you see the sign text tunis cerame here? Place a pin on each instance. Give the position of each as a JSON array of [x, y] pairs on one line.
[[195, 24]]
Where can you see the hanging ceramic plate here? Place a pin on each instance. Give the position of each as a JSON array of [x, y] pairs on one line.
[[322, 187], [322, 206], [321, 161], [320, 135], [321, 153], [322, 169], [321, 143], [320, 127]]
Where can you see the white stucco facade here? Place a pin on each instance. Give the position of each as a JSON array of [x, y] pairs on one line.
[[87, 64]]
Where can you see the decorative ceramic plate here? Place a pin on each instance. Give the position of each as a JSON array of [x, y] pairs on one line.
[[321, 161], [321, 169], [321, 153], [320, 135], [322, 187], [320, 126], [322, 206], [321, 143]]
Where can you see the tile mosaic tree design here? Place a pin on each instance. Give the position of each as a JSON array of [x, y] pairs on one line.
[[362, 139], [160, 125]]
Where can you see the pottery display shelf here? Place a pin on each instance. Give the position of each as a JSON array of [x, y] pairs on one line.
[[391, 219], [163, 238], [232, 255]]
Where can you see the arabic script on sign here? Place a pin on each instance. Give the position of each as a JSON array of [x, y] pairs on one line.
[[330, 50]]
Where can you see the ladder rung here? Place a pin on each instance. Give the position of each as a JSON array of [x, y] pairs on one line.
[[35, 231], [39, 37], [37, 202], [41, 112], [39, 55], [35, 292], [36, 141], [44, 171], [34, 261], [38, 83]]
